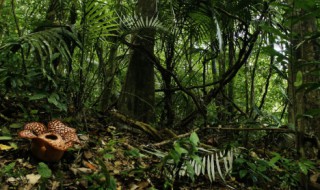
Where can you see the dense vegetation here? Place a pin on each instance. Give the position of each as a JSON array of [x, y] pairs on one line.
[[171, 94]]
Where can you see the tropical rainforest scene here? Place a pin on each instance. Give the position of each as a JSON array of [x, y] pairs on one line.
[[169, 94]]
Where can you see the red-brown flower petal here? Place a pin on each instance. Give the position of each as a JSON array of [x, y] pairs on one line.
[[71, 137], [36, 127], [27, 134], [57, 126]]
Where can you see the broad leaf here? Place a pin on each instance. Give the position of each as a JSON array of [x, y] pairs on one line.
[[44, 170]]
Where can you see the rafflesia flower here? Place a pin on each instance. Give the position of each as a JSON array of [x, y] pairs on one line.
[[49, 144]]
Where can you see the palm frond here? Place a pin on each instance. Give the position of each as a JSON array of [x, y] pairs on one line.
[[136, 22], [99, 21], [216, 162], [207, 25], [47, 45], [211, 163]]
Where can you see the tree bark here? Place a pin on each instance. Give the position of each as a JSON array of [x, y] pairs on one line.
[[303, 72], [137, 96], [304, 101]]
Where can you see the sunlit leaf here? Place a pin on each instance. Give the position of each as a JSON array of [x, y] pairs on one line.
[[44, 170], [194, 138], [179, 149], [5, 138], [16, 125]]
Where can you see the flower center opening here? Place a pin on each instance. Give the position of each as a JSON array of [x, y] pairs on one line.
[[52, 137]]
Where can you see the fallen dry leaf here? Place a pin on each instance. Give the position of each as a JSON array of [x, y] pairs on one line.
[[89, 165], [74, 170], [85, 170], [55, 185], [143, 185], [12, 180], [84, 137], [118, 163], [115, 171], [87, 154], [133, 186], [33, 178]]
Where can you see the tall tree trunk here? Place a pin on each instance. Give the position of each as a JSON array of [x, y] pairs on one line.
[[168, 94], [137, 95], [303, 71]]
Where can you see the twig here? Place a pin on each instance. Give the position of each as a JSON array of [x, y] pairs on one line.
[[175, 138], [277, 130], [137, 124]]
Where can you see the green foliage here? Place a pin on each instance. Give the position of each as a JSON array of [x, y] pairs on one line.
[[187, 159], [101, 180], [44, 170], [134, 153], [99, 21], [7, 170], [183, 149], [5, 134], [285, 172]]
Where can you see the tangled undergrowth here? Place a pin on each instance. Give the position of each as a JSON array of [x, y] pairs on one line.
[[111, 157]]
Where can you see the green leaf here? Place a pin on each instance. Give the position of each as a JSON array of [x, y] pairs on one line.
[[190, 171], [13, 145], [108, 156], [34, 112], [8, 167], [274, 159], [5, 131], [134, 153], [243, 173], [175, 156], [54, 99], [44, 170], [303, 168], [16, 125], [252, 166], [37, 96], [196, 158], [179, 149], [240, 160], [194, 138], [5, 138], [298, 81]]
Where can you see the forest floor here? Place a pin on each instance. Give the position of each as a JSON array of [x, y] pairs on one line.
[[106, 157]]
